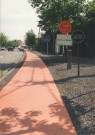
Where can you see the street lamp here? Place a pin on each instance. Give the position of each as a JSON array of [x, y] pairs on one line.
[[39, 34]]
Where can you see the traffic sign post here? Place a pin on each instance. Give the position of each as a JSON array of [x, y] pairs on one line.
[[69, 59], [78, 37], [47, 39], [47, 48], [78, 58], [65, 28]]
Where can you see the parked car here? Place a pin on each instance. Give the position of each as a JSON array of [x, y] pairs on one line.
[[10, 48], [3, 48]]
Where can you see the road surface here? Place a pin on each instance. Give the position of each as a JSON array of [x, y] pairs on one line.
[[8, 59]]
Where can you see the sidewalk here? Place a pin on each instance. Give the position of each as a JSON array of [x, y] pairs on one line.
[[30, 104]]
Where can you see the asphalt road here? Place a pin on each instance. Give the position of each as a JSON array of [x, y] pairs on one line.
[[8, 59]]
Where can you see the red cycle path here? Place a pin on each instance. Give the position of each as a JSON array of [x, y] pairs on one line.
[[30, 104]]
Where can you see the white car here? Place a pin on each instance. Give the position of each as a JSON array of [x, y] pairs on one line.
[[3, 48]]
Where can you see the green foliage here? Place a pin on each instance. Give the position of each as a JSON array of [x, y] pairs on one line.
[[80, 14], [3, 40], [36, 46], [36, 42], [13, 43], [52, 12], [90, 11], [30, 39]]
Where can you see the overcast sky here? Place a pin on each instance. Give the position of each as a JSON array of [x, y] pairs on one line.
[[17, 17]]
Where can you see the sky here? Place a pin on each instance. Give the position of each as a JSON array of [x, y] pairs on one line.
[[17, 17]]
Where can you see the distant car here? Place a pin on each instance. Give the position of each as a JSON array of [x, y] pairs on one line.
[[3, 48], [21, 48], [10, 48]]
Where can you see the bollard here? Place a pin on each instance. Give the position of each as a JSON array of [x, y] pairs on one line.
[[69, 59]]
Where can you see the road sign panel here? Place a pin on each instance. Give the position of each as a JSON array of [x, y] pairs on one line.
[[47, 38], [78, 36], [63, 40], [65, 27]]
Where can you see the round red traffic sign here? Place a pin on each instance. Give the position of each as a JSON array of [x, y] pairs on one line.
[[65, 27]]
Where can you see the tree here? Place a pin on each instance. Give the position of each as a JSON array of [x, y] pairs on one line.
[[30, 39], [80, 14], [13, 43], [3, 40], [90, 29], [52, 12], [90, 12]]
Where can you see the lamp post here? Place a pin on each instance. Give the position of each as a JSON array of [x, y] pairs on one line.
[[39, 33]]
